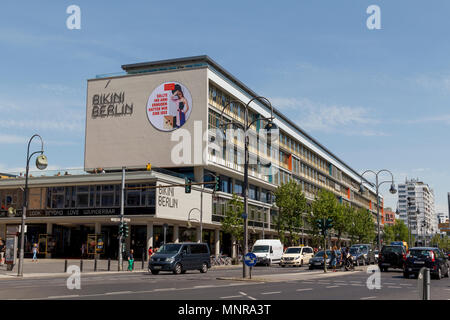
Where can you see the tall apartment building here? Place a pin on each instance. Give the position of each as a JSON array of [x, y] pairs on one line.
[[416, 209]]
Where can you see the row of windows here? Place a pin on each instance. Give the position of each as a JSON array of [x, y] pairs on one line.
[[99, 196], [255, 213]]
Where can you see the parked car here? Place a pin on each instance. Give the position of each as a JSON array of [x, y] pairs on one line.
[[317, 260], [392, 257], [367, 251], [268, 251], [358, 256], [296, 256], [428, 257], [180, 257]]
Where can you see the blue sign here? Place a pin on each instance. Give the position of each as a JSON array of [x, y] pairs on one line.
[[250, 259], [244, 216]]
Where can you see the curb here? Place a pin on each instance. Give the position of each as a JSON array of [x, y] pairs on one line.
[[46, 275], [244, 280]]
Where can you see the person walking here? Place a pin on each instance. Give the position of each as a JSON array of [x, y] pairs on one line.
[[131, 260], [2, 252], [333, 258], [35, 251]]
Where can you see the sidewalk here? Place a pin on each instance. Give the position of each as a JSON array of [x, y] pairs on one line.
[[55, 267]]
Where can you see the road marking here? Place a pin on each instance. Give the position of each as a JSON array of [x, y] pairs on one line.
[[394, 287], [332, 286], [274, 292], [200, 287], [59, 297], [366, 298], [118, 292], [389, 283], [164, 289], [357, 285], [230, 297], [243, 293], [306, 289]]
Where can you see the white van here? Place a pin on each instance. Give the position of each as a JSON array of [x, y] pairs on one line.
[[268, 251], [296, 256]]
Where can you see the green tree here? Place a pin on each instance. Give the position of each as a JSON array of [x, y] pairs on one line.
[[360, 225], [291, 203], [324, 206], [340, 220], [233, 222]]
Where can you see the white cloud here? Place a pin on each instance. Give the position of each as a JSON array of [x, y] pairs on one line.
[[329, 118], [12, 139]]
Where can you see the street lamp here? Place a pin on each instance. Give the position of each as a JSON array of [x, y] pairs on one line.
[[41, 164], [246, 126], [392, 190]]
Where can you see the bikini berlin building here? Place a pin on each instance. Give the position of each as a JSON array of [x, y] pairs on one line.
[[169, 114]]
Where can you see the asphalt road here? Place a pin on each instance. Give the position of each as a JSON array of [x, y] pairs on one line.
[[304, 285]]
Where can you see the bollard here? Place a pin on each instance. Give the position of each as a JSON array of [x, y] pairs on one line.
[[95, 264], [65, 266], [81, 265], [426, 285], [109, 264]]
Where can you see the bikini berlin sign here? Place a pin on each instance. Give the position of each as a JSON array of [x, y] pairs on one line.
[[169, 106]]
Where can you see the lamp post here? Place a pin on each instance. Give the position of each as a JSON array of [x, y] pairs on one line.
[[392, 190], [41, 164], [246, 126]]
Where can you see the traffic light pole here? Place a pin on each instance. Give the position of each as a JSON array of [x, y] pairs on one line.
[[324, 246], [122, 203]]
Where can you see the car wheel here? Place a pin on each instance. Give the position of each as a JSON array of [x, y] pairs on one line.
[[269, 263], [310, 268], [439, 274], [177, 269], [204, 268], [282, 265], [155, 271]]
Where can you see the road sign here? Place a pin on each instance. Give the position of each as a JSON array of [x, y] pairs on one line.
[[250, 259], [244, 216]]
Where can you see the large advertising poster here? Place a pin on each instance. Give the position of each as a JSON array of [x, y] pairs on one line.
[[169, 106], [134, 120]]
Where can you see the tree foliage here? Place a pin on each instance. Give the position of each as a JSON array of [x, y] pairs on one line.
[[396, 232], [360, 225], [233, 222], [291, 203]]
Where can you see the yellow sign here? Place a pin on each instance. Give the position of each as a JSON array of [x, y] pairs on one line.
[[149, 167]]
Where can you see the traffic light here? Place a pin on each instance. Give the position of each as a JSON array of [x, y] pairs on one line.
[[120, 229], [329, 223], [187, 187], [125, 230], [217, 185], [319, 224]]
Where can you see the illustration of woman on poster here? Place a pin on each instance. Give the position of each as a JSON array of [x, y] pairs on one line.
[[183, 105]]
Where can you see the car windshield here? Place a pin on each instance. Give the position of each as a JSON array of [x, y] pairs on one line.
[[293, 250], [259, 249], [419, 253], [320, 253], [169, 248], [396, 249], [354, 250]]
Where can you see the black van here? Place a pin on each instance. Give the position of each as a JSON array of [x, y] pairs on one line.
[[180, 257]]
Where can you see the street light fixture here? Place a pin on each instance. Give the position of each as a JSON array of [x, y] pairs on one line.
[[41, 164], [392, 190], [246, 126]]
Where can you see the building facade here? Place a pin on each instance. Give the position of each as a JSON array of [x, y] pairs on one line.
[[416, 209], [388, 217], [169, 114]]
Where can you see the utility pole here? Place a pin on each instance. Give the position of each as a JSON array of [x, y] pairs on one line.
[[122, 204]]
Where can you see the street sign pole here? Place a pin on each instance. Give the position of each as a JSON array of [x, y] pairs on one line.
[[122, 203]]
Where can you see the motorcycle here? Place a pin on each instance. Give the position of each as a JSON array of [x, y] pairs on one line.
[[349, 263]]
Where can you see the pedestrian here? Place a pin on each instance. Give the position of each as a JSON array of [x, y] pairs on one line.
[[150, 252], [83, 250], [35, 251], [131, 260], [2, 252], [334, 258]]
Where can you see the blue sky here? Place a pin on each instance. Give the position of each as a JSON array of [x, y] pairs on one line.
[[376, 98]]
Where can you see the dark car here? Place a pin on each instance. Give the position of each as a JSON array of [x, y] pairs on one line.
[[367, 251], [317, 260], [428, 257], [392, 257], [357, 255], [180, 257]]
